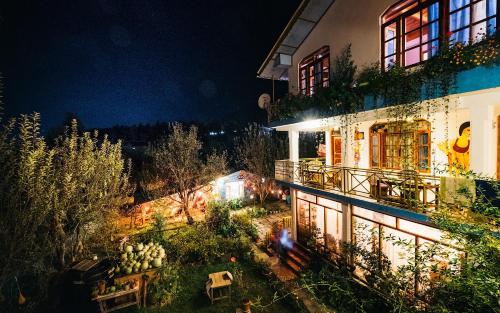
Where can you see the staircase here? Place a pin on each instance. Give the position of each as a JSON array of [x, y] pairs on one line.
[[296, 259]]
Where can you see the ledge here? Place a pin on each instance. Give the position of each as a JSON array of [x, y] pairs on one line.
[[373, 206]]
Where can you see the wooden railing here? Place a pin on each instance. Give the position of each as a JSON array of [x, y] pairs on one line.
[[407, 189]]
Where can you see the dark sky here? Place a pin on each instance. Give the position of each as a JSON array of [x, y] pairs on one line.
[[137, 61]]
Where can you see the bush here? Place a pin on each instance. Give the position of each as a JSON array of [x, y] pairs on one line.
[[199, 244], [243, 224], [235, 204], [163, 290], [219, 218]]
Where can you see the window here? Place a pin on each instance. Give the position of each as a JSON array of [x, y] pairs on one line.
[[314, 71], [333, 230], [413, 29], [401, 145], [471, 20]]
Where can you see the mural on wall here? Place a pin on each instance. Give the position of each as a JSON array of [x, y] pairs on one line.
[[458, 150]]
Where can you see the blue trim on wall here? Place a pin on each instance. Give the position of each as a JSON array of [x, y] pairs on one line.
[[373, 206]]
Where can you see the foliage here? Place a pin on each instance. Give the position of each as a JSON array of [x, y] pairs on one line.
[[397, 85], [167, 287], [197, 243], [178, 168], [341, 97], [235, 204], [243, 223], [56, 202], [219, 219], [457, 274], [256, 151]]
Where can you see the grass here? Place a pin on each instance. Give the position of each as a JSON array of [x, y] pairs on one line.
[[252, 285]]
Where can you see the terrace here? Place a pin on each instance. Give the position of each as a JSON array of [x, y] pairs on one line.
[[407, 189]]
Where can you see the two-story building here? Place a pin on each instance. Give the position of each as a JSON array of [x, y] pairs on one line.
[[379, 171]]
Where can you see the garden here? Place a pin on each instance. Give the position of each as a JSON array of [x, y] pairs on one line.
[[178, 263]]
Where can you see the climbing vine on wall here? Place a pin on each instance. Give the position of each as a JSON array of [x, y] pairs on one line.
[[349, 87]]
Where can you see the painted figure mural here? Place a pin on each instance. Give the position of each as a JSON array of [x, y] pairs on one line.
[[458, 150]]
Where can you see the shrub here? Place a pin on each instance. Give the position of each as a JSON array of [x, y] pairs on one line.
[[243, 224], [219, 218]]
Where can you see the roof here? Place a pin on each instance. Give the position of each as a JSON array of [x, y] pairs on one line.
[[296, 31]]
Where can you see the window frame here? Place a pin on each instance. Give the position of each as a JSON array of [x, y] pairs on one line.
[[311, 62], [399, 20], [382, 161], [471, 23], [407, 8]]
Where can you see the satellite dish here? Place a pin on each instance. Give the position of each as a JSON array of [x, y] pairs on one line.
[[264, 101]]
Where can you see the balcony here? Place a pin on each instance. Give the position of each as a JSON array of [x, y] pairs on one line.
[[295, 109], [406, 189]]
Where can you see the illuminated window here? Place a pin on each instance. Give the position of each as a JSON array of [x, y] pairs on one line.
[[314, 71], [303, 216], [397, 247], [318, 222], [470, 20], [413, 29], [401, 145], [333, 230], [410, 32]]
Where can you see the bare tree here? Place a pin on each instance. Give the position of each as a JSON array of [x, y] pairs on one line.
[[178, 165], [256, 151]]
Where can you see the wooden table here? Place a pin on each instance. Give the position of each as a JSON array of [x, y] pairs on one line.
[[103, 305], [219, 281], [143, 289]]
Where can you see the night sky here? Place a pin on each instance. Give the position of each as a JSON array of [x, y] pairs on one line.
[[128, 62]]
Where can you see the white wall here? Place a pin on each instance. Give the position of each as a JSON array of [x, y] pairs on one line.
[[346, 21]]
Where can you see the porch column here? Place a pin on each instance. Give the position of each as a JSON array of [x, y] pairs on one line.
[[293, 142], [328, 147], [482, 139], [293, 192]]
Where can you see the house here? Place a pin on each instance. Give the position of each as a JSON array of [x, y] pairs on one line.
[[380, 169]]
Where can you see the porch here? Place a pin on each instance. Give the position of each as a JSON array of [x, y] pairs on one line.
[[407, 189]]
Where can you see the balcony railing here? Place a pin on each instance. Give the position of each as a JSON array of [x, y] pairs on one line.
[[407, 189]]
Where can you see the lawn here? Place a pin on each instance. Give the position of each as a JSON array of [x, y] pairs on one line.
[[253, 285]]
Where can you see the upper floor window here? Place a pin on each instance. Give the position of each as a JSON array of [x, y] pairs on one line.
[[314, 71], [413, 29], [470, 21], [410, 32]]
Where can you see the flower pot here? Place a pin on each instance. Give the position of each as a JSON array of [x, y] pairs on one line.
[[101, 285]]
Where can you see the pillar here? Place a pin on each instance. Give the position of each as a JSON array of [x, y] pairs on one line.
[[293, 142], [328, 144], [293, 193]]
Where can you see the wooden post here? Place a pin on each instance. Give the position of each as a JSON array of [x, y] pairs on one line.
[[245, 305]]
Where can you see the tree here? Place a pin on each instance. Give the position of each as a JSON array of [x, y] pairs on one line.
[[55, 202], [256, 151], [90, 181], [177, 163]]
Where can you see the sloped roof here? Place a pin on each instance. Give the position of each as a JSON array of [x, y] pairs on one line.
[[296, 31]]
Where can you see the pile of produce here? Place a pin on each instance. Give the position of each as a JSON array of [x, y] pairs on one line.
[[140, 257]]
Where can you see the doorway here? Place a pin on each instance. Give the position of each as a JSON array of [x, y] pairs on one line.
[[336, 148]]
